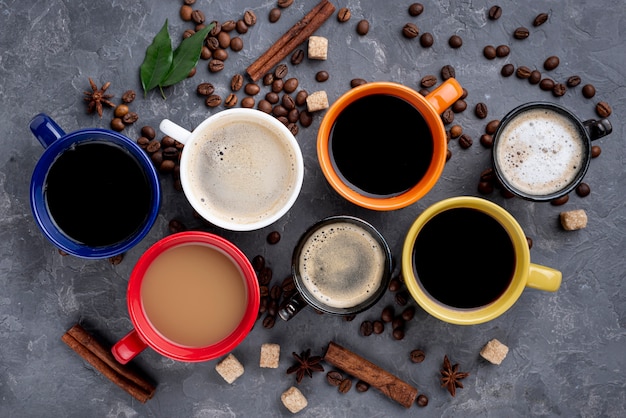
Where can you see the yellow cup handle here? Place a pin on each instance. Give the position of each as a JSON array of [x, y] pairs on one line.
[[445, 95], [543, 278]]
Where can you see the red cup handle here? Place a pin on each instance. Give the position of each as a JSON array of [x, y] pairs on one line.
[[128, 347]]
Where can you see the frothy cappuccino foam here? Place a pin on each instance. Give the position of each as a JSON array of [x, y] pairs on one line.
[[540, 152], [342, 265], [242, 171]]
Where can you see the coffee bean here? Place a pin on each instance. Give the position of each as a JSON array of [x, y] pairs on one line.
[[288, 285], [447, 116], [212, 43], [546, 84], [301, 97], [402, 298], [573, 81], [535, 77], [293, 128], [506, 194], [459, 106], [321, 76], [398, 334], [426, 40], [231, 100], [217, 28], [148, 132], [589, 91], [560, 201], [489, 52], [465, 93], [456, 131], [264, 291], [156, 157], [417, 356], [269, 321], [168, 141], [378, 327], [274, 15], [197, 16], [492, 126], [603, 109], [345, 386], [185, 12], [387, 314], [272, 97], [247, 102], [263, 302], [428, 81], [241, 27], [481, 110], [213, 100], [128, 96], [258, 262], [280, 71], [251, 89], [416, 9], [397, 322], [362, 386], [488, 175], [521, 33], [394, 284], [288, 103], [485, 187], [297, 57], [495, 12], [529, 241], [507, 70], [229, 25], [334, 378], [205, 89], [264, 106], [132, 117], [277, 85], [216, 65], [447, 71], [265, 276], [465, 141], [236, 44], [583, 190], [268, 79], [559, 89], [273, 237], [410, 31], [596, 151], [344, 14], [290, 85], [448, 155], [366, 328], [205, 53], [284, 3], [486, 140], [455, 41], [502, 51], [272, 307], [551, 63], [224, 39], [363, 27], [306, 118], [422, 400], [279, 111], [523, 72], [424, 92], [153, 146], [408, 313], [143, 142], [220, 54], [249, 17], [540, 19]]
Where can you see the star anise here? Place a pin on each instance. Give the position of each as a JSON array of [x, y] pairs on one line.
[[451, 376], [96, 97], [306, 364]]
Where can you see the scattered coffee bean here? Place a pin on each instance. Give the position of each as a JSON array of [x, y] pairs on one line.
[[573, 81], [213, 100], [220, 54], [264, 291], [301, 97], [422, 400], [153, 146], [269, 321], [366, 328], [546, 84], [529, 241], [249, 17], [447, 71], [502, 51], [279, 110], [408, 313], [523, 72], [251, 89], [362, 386], [229, 25], [417, 356], [258, 262], [455, 41], [212, 43], [489, 52], [128, 96], [485, 187], [521, 33], [334, 378], [185, 12], [507, 70], [416, 9], [488, 175], [297, 57], [276, 292], [398, 334], [428, 81], [223, 39], [117, 124], [345, 386], [506, 194], [277, 85], [448, 155], [272, 97], [272, 307], [589, 91], [426, 40], [293, 116], [143, 142], [268, 79], [197, 16], [288, 103], [349, 318], [495, 12], [465, 141], [394, 285], [241, 27], [481, 110], [216, 65], [459, 106], [603, 109], [363, 27], [387, 314], [217, 28], [486, 140], [274, 15], [540, 19], [378, 327], [402, 297], [284, 3], [236, 44], [423, 92], [231, 100], [535, 77], [344, 14], [116, 259], [492, 126], [397, 322], [559, 89], [456, 131], [596, 151], [205, 89], [148, 132], [206, 53], [410, 31], [280, 71], [306, 118], [247, 102], [551, 63], [273, 237], [321, 76], [560, 201], [176, 226], [236, 82], [465, 93], [288, 285], [265, 276], [583, 190], [156, 157], [447, 116]]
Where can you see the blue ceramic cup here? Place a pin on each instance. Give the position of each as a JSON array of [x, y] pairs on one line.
[[94, 193]]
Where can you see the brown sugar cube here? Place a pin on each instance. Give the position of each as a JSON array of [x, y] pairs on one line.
[[293, 400], [494, 351], [318, 48], [317, 101], [574, 219], [270, 355], [229, 368]]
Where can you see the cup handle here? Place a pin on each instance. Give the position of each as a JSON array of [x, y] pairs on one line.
[[598, 128], [445, 95], [543, 278], [177, 132], [128, 347], [289, 308], [45, 129]]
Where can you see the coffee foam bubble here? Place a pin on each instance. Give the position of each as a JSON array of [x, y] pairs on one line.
[[242, 171], [342, 265], [540, 152]]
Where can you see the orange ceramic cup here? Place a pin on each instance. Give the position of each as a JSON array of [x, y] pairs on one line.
[[430, 107]]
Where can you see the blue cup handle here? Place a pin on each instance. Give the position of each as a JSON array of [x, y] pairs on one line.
[[45, 129]]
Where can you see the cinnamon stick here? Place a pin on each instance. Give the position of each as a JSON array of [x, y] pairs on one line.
[[102, 360], [288, 42], [355, 365]]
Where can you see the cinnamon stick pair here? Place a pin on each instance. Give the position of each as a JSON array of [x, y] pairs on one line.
[[102, 360], [288, 42]]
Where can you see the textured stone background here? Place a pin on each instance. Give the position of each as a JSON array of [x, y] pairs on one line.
[[567, 349]]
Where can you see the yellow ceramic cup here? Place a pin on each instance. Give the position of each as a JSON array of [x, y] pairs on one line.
[[525, 274]]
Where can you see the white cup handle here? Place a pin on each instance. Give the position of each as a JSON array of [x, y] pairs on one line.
[[177, 132]]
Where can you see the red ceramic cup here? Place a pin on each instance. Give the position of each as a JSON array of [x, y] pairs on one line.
[[146, 335]]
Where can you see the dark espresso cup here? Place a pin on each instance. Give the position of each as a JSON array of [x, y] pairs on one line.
[[541, 151]]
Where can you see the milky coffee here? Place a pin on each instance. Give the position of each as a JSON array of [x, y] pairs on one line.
[[342, 265], [540, 151], [241, 172]]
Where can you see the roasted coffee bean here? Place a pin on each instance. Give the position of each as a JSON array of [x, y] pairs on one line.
[[459, 106], [274, 15], [168, 141], [276, 292], [551, 63], [247, 102], [559, 89], [217, 28], [523, 72], [507, 70], [301, 97], [264, 106], [486, 140], [192, 72], [362, 386], [293, 128], [231, 100], [273, 237], [546, 84], [583, 190], [502, 51], [481, 110], [277, 85], [398, 333], [589, 91], [489, 52], [344, 14], [397, 322], [416, 9], [205, 53], [212, 43], [288, 103], [417, 356], [220, 54], [284, 3], [529, 241], [495, 12], [128, 96], [321, 76], [306, 118], [394, 284], [241, 27], [229, 25], [252, 89], [488, 175], [355, 82], [427, 40], [603, 109], [290, 85], [167, 166], [560, 201], [408, 313], [447, 116], [258, 262], [224, 39], [157, 158], [465, 141], [428, 81], [269, 321], [169, 153], [205, 89], [521, 33], [176, 226], [378, 327], [143, 143], [363, 27], [116, 259], [132, 117], [216, 65], [455, 41], [492, 126], [297, 57], [345, 386], [540, 19], [410, 31], [447, 71], [265, 276], [263, 302], [280, 71], [422, 400], [402, 297], [366, 328], [236, 44], [188, 33], [293, 116], [213, 100], [197, 16], [185, 12], [283, 120], [272, 307], [288, 285], [424, 92], [456, 131], [387, 314], [334, 378], [596, 151], [573, 81], [249, 17], [485, 187], [264, 291], [506, 194], [448, 155], [272, 97], [349, 318], [236, 82], [279, 111], [535, 77], [268, 79], [465, 93]]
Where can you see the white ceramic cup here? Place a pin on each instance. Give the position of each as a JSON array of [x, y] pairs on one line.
[[240, 169]]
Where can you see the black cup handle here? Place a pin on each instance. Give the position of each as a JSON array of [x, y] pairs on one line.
[[290, 307], [598, 128]]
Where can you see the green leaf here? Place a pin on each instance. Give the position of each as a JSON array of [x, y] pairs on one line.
[[158, 60], [185, 57]]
